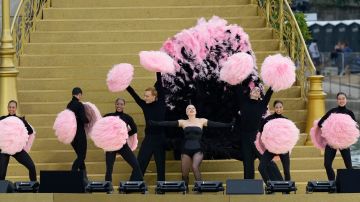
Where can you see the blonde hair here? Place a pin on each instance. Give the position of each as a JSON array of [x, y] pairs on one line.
[[152, 90]]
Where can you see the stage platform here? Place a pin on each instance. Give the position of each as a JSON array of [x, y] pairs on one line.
[[174, 197]]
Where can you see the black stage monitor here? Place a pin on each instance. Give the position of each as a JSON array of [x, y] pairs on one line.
[[246, 186], [6, 186], [348, 181], [62, 182]]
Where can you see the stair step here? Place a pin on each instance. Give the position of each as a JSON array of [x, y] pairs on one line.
[[96, 59], [141, 3], [138, 24], [173, 166], [98, 96], [127, 35], [150, 12], [119, 47]]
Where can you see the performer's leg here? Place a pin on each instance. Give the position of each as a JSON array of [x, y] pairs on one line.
[[186, 163], [197, 159], [23, 158], [265, 160], [145, 154], [110, 160], [285, 160], [248, 158], [346, 155], [4, 161], [130, 158], [328, 160], [159, 156]]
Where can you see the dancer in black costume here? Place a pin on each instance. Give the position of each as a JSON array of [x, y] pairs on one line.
[[267, 157], [22, 156], [252, 107], [153, 107], [192, 153], [125, 151], [330, 152], [80, 142]]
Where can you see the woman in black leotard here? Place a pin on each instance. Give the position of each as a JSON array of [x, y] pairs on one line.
[[192, 153]]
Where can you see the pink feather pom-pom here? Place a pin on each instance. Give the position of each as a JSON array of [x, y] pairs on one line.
[[280, 136], [237, 68], [30, 141], [120, 77], [65, 126], [132, 141], [109, 133], [316, 138], [340, 131], [157, 61], [92, 114], [13, 135], [258, 144], [261, 148], [278, 72]]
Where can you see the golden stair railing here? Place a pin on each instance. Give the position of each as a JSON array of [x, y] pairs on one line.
[[24, 22], [280, 17]]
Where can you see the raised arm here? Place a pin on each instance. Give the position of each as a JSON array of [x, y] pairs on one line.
[[159, 86], [267, 96], [136, 97]]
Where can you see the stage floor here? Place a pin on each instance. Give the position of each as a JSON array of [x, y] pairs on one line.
[[174, 197]]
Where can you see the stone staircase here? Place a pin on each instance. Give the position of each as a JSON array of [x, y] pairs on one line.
[[79, 40]]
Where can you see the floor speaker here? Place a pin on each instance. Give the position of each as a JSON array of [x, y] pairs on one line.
[[246, 186], [6, 186], [62, 182], [348, 181]]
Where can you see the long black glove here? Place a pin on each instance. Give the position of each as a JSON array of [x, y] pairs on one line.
[[214, 124], [164, 123]]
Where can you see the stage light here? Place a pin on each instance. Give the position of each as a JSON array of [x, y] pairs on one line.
[[132, 186], [170, 186], [22, 187], [280, 186], [208, 186], [99, 186], [321, 186]]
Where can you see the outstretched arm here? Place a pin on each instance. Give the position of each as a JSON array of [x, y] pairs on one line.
[[214, 124], [136, 97], [321, 121], [164, 123]]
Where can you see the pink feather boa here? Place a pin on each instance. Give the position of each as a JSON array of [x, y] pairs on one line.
[[92, 114], [132, 141], [280, 135], [65, 126], [317, 139], [109, 133], [278, 72], [340, 131], [157, 61], [120, 77], [237, 68], [13, 135]]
